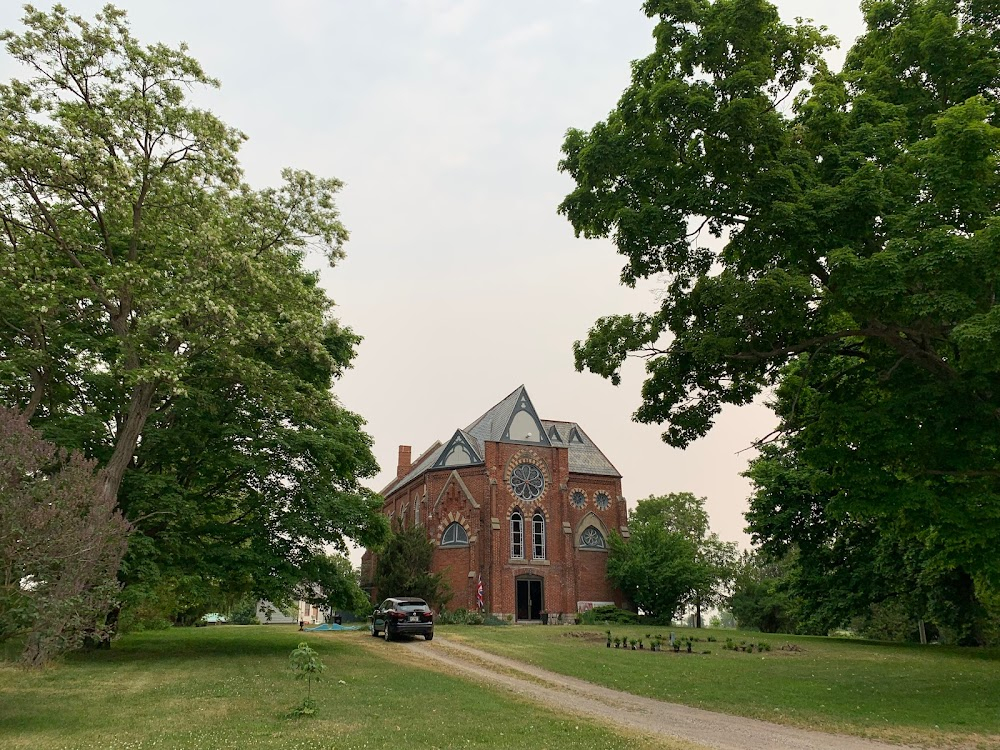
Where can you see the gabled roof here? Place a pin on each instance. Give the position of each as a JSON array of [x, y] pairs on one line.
[[513, 420], [510, 422], [460, 451]]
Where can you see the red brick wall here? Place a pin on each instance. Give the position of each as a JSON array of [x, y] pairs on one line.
[[570, 575]]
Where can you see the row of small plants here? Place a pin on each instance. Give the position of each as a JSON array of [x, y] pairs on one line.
[[655, 643], [744, 646]]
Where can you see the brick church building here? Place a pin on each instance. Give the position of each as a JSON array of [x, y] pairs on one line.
[[525, 503]]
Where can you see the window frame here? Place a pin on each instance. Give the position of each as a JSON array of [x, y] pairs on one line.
[[516, 534], [604, 542], [538, 536], [459, 533]]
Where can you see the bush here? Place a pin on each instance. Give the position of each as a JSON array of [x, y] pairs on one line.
[[609, 614], [244, 613], [467, 617]]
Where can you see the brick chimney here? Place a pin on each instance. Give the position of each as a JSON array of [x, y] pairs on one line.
[[403, 466]]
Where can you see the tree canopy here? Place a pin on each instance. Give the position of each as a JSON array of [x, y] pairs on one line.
[[671, 559], [403, 567], [834, 234], [157, 314]]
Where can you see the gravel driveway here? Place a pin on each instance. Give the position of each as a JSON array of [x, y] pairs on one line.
[[637, 714]]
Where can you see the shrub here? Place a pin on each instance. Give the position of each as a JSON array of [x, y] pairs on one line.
[[244, 613], [609, 614]]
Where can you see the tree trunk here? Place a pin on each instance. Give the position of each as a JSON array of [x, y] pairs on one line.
[[923, 631], [127, 438]]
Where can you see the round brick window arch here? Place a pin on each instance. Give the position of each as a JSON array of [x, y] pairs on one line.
[[526, 478]]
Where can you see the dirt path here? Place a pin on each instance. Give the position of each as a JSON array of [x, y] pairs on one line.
[[634, 713]]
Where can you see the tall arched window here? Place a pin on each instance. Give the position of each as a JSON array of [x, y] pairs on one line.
[[538, 536], [516, 535]]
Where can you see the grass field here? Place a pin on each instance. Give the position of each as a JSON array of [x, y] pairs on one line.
[[935, 695], [230, 687]]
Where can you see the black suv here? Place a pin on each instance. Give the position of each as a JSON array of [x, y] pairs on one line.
[[403, 616]]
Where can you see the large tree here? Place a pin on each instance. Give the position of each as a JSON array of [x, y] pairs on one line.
[[156, 313], [714, 560], [671, 559], [854, 232]]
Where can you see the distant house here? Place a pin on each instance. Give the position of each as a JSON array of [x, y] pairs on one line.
[[525, 504], [268, 614]]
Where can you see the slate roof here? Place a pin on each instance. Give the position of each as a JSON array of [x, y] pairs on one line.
[[584, 457]]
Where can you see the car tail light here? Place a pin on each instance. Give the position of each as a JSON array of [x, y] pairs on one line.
[[397, 615]]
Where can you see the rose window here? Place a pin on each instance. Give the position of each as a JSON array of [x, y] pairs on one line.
[[602, 501], [578, 499], [592, 538], [527, 482]]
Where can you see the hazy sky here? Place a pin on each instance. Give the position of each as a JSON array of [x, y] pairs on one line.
[[444, 118]]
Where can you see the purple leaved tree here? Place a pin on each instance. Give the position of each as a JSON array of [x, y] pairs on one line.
[[61, 542]]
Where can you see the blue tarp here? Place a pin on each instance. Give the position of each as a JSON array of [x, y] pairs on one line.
[[333, 626]]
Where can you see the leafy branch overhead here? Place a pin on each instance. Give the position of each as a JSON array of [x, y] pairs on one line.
[[832, 235], [156, 313]]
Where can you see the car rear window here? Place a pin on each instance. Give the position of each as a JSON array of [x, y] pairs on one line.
[[412, 606]]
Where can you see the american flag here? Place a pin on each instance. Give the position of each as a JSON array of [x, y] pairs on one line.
[[479, 592]]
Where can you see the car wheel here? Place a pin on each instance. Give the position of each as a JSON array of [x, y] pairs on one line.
[[374, 631], [387, 633], [429, 636]]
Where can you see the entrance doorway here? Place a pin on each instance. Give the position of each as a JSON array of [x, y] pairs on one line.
[[529, 598]]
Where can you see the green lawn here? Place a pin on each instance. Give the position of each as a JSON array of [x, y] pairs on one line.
[[932, 694], [230, 687]]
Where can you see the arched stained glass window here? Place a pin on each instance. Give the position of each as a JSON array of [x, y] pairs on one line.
[[516, 535], [538, 536], [591, 538], [455, 536]]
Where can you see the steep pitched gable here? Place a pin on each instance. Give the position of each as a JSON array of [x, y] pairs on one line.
[[459, 451]]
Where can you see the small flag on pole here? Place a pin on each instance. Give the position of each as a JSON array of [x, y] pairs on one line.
[[479, 592]]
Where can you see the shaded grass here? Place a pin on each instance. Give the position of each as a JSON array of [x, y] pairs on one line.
[[931, 694], [230, 687]]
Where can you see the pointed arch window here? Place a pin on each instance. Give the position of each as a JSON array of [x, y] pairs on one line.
[[592, 538], [455, 536], [516, 535], [538, 536]]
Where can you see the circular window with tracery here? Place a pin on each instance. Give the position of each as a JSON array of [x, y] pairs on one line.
[[602, 501], [527, 482], [591, 538], [578, 498]]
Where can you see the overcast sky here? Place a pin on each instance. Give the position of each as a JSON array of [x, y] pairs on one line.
[[444, 118]]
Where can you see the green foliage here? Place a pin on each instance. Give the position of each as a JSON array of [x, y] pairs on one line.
[[608, 613], [463, 616], [306, 664], [159, 317], [670, 560], [403, 568], [245, 613], [761, 599], [852, 264]]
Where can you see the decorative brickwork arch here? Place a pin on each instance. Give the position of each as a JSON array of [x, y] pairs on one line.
[[447, 521], [526, 477]]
